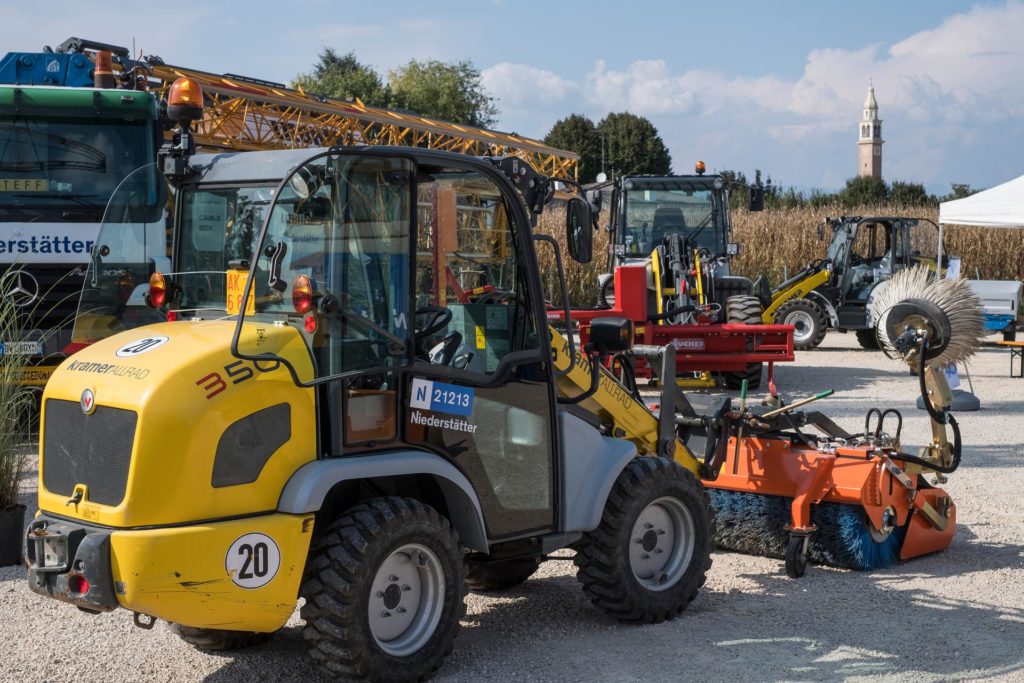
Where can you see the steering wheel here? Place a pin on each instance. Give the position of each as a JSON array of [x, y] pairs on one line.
[[442, 316]]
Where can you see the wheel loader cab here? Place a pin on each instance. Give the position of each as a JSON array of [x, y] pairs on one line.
[[412, 283]]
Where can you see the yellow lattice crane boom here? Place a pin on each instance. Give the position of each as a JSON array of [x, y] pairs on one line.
[[248, 114]]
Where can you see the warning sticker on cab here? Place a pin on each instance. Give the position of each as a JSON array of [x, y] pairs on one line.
[[237, 280], [440, 397]]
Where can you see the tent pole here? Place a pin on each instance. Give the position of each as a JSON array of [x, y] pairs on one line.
[[938, 257]]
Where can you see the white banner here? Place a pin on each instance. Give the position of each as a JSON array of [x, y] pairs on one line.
[[29, 242]]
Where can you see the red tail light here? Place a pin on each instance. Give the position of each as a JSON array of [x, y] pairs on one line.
[[78, 584], [157, 296], [302, 294]]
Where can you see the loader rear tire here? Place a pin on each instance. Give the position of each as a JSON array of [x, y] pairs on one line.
[[868, 339], [808, 320], [745, 310], [650, 554], [384, 592], [217, 640], [498, 576]]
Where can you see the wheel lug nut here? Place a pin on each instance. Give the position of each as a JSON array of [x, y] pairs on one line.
[[658, 551], [661, 532], [645, 556], [648, 525], [385, 614], [401, 610], [380, 594], [638, 541], [406, 588], [392, 578]]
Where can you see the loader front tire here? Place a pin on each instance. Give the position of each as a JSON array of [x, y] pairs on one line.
[[218, 640], [808, 321], [499, 576], [384, 592], [745, 310], [651, 552]]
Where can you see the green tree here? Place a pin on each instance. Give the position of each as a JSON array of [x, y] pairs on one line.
[[577, 133], [959, 191], [447, 91], [632, 145], [909, 194], [863, 191], [344, 77]]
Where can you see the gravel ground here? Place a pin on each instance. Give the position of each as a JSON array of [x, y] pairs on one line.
[[952, 616]]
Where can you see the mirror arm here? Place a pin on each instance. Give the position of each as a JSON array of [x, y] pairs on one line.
[[565, 303]]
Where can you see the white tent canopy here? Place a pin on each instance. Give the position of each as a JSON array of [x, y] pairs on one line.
[[1000, 207]]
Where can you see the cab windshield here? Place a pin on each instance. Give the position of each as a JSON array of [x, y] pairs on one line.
[[650, 215], [338, 237], [134, 242], [63, 162]]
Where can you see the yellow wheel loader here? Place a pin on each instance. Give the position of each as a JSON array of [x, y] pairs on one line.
[[318, 415], [837, 292]]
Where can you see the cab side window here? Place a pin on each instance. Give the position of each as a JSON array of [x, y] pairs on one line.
[[472, 308]]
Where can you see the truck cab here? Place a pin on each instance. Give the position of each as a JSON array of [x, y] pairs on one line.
[[67, 140]]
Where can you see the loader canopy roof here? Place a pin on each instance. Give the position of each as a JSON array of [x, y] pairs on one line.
[[652, 208]]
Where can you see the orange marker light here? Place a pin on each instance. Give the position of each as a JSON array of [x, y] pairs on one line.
[[302, 294], [185, 100], [157, 296], [103, 72], [700, 168]]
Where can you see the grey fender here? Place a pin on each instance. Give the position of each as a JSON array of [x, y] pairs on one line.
[[308, 487], [826, 305], [591, 464]]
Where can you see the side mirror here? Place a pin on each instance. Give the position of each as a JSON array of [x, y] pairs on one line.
[[821, 232], [732, 249], [756, 199], [594, 199], [578, 230]]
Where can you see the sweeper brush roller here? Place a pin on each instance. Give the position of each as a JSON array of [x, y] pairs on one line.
[[850, 500]]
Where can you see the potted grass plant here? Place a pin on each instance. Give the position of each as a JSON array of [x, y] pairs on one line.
[[16, 402]]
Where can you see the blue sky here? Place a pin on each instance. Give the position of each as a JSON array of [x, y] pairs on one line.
[[743, 85]]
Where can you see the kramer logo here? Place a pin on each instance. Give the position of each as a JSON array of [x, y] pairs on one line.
[[88, 402]]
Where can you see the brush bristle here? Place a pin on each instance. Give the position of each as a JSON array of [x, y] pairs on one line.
[[754, 524], [954, 298]]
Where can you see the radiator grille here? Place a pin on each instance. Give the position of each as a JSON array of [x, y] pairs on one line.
[[94, 450]]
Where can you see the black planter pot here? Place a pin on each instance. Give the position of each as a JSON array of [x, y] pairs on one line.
[[12, 534]]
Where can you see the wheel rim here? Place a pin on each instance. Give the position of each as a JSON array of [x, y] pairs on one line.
[[406, 599], [804, 324], [662, 543]]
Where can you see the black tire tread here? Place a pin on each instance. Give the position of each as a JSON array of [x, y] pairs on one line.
[[339, 564], [598, 559], [868, 339], [744, 310]]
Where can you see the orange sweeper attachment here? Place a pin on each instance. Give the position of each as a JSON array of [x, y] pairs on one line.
[[792, 484]]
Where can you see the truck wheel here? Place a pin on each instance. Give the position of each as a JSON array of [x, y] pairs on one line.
[[497, 576], [649, 556], [215, 639], [384, 592], [868, 339], [745, 310], [808, 321]]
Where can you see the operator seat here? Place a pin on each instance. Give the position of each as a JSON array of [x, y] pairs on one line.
[[666, 218]]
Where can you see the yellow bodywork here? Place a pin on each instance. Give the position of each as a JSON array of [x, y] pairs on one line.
[[613, 403], [178, 573], [186, 392], [798, 290]]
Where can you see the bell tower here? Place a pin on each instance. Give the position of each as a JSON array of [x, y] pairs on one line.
[[869, 145]]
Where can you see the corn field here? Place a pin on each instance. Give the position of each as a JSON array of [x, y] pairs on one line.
[[780, 241]]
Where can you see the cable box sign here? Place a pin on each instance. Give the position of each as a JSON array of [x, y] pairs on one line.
[[441, 398]]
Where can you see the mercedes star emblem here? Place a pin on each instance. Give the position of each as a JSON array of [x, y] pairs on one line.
[[21, 287]]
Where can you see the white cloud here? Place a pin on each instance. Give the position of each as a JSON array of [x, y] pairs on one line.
[[940, 92]]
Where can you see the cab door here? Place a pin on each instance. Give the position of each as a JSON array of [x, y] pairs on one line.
[[479, 392]]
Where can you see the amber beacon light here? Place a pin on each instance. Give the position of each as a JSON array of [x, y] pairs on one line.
[[185, 100]]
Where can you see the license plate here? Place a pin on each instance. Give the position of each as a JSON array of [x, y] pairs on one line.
[[55, 551], [236, 281], [37, 376], [21, 348]]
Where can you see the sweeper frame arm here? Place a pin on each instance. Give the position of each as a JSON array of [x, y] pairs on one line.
[[615, 406]]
